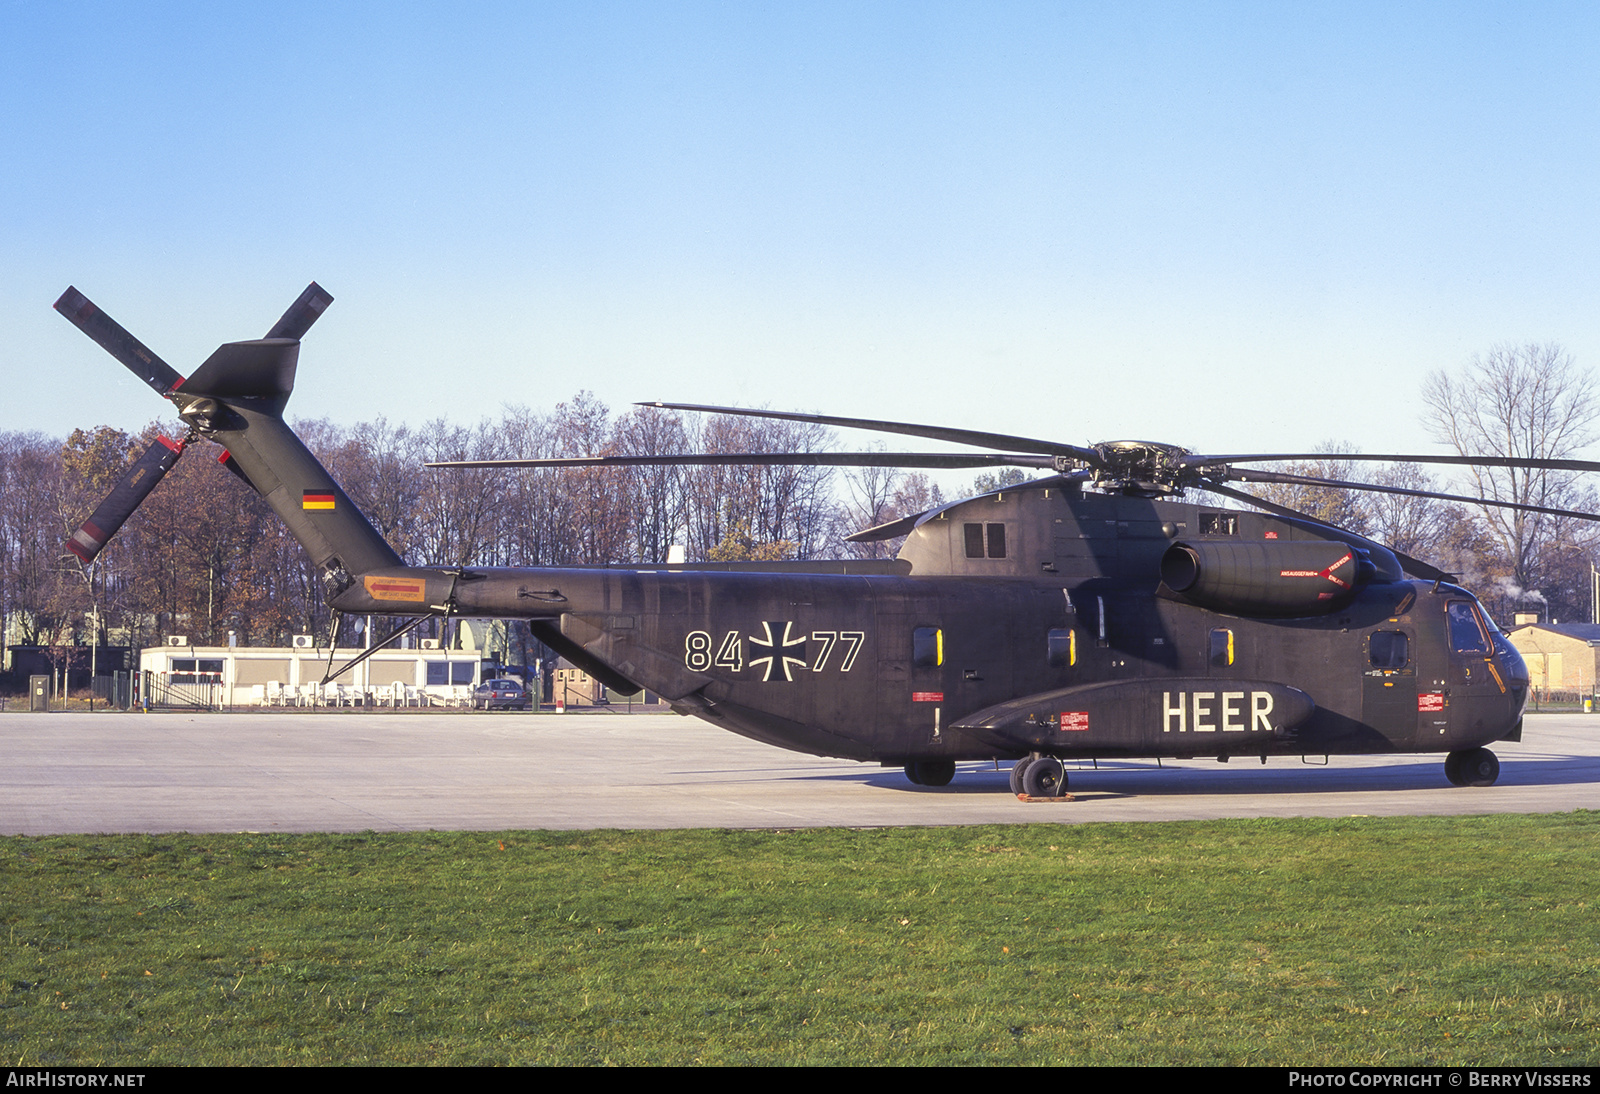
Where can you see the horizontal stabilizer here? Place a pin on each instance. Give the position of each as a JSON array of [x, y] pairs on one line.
[[260, 369]]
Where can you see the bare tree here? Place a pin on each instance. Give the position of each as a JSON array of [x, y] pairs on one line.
[[1329, 504], [654, 498], [879, 495], [1419, 527], [762, 504], [1527, 401]]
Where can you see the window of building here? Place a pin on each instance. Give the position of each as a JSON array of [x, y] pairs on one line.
[[441, 673], [192, 670]]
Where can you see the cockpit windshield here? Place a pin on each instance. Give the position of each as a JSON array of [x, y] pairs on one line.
[[1467, 634]]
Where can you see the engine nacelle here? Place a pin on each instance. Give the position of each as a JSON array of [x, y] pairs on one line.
[[1301, 577]]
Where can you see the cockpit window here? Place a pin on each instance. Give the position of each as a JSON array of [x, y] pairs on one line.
[[1466, 632]]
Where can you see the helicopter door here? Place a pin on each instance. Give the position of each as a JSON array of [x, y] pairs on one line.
[[1389, 688]]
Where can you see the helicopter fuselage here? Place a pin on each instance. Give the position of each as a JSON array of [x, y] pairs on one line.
[[1031, 621]]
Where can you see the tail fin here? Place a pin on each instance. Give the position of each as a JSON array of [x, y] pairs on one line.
[[236, 398]]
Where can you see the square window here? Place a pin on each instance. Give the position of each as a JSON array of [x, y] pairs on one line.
[[974, 535], [1389, 649], [997, 540]]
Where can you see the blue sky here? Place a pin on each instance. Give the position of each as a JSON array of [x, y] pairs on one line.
[[1229, 226]]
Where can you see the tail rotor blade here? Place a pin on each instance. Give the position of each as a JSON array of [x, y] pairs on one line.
[[111, 336], [302, 313], [90, 539]]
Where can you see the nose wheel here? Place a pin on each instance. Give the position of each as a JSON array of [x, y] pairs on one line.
[[1472, 767], [1039, 777]]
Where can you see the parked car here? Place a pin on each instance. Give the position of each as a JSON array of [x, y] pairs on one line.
[[500, 694]]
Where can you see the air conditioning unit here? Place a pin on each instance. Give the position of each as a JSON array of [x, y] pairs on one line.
[[304, 642], [429, 643], [177, 640]]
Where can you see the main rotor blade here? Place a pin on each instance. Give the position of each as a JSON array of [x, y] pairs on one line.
[[302, 313], [115, 340], [974, 437], [91, 538], [935, 460], [1414, 566], [1529, 462], [1308, 480]]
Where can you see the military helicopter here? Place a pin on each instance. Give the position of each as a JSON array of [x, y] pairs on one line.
[[1089, 613]]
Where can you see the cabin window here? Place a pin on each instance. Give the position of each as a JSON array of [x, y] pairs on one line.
[[997, 540], [927, 647], [974, 533], [1221, 648], [985, 540], [1389, 650], [1466, 634], [1061, 646], [1219, 524]]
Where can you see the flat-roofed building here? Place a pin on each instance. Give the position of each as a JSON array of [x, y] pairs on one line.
[[1560, 656], [233, 676]]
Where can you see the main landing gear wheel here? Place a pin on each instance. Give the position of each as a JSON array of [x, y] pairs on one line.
[[1045, 777], [1018, 770], [1472, 767], [931, 772]]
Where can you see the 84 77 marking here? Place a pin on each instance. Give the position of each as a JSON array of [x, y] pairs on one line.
[[730, 652]]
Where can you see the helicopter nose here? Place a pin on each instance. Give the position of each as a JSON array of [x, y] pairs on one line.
[[1516, 668]]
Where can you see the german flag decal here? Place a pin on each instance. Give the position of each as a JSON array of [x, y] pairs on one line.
[[317, 499], [396, 588]]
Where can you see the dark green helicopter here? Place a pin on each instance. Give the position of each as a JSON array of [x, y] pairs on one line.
[[1085, 614]]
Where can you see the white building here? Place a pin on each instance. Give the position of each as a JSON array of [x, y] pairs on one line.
[[292, 676]]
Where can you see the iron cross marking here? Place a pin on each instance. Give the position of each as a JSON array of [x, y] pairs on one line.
[[778, 656]]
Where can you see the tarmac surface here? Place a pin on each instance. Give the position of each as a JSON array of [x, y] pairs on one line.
[[347, 771]]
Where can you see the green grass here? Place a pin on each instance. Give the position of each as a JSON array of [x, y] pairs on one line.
[[1462, 940]]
